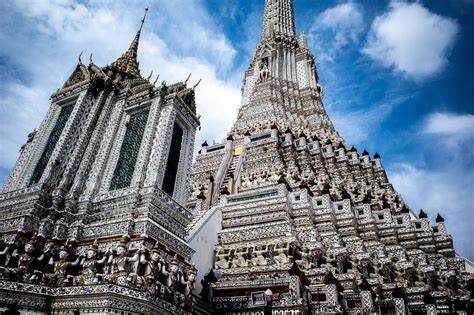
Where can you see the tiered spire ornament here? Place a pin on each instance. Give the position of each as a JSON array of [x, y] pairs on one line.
[[278, 19], [128, 63], [303, 42]]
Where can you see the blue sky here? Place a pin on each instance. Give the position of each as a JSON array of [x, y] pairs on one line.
[[397, 76]]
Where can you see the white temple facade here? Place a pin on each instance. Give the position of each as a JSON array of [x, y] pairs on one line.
[[92, 217], [105, 212], [311, 225]]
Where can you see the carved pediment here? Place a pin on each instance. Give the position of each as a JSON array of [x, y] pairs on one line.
[[80, 74], [265, 50]]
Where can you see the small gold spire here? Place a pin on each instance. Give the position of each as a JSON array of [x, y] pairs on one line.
[[195, 86], [79, 58], [156, 80], [128, 63], [149, 77], [143, 19], [187, 79]]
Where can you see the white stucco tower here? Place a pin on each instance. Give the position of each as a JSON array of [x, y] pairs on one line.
[[307, 224], [106, 172]]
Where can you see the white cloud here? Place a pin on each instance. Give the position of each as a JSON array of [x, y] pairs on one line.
[[16, 118], [411, 39], [452, 130], [344, 23], [445, 183], [346, 16], [56, 31], [447, 190], [449, 124]]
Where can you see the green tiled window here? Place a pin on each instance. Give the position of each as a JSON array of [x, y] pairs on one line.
[[129, 151], [51, 144], [173, 160]]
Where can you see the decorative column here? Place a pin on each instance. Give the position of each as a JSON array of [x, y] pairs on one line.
[[210, 190], [105, 151], [425, 224], [400, 307], [147, 142], [441, 227], [230, 184], [398, 295], [159, 152], [431, 309], [366, 296]]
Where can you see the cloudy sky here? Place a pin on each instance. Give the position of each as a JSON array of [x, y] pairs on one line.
[[397, 75]]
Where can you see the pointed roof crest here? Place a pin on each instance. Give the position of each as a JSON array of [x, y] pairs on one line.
[[127, 63]]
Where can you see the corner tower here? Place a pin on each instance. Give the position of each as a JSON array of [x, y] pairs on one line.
[[298, 221], [105, 174]]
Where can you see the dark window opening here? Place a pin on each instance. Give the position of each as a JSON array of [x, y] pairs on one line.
[[129, 150], [380, 216], [215, 149], [297, 198], [51, 144], [173, 160], [354, 304], [268, 135], [319, 202], [418, 225], [340, 207], [318, 297], [399, 221]]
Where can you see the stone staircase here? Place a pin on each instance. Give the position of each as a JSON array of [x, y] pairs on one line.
[[230, 174]]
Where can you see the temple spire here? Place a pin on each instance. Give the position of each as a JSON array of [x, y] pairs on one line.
[[128, 63], [303, 41], [278, 19]]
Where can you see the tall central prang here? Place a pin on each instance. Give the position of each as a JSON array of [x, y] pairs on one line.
[[301, 222]]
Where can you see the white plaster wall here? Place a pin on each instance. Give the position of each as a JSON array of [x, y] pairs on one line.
[[203, 239], [468, 265]]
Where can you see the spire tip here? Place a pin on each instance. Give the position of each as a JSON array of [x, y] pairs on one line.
[[144, 17], [195, 86]]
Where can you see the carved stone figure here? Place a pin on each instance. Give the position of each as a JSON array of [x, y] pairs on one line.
[[59, 277], [153, 270], [264, 72], [304, 263], [258, 258], [24, 271], [281, 251], [172, 278], [189, 287], [118, 265], [89, 263], [238, 259], [221, 259]]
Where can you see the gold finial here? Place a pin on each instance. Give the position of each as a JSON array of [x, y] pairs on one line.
[[195, 86], [143, 19], [128, 63], [186, 81], [156, 80]]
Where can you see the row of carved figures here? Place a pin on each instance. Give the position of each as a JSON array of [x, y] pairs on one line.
[[388, 270], [258, 255], [66, 265]]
